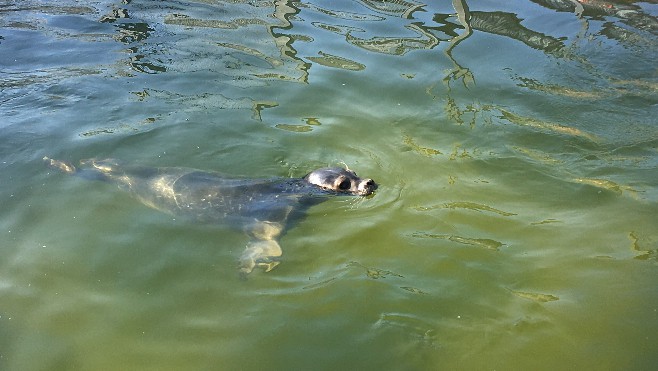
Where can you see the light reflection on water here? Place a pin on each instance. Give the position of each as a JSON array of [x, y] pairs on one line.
[[514, 145]]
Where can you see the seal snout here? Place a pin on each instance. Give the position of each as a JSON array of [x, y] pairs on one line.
[[367, 187]]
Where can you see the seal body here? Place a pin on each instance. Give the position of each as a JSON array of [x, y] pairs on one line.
[[260, 207]]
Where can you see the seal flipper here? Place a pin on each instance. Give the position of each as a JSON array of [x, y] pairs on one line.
[[65, 167], [263, 249], [91, 173], [260, 254]]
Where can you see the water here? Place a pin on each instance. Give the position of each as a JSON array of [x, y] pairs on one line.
[[515, 144]]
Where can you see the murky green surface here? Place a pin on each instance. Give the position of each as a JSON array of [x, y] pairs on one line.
[[515, 144]]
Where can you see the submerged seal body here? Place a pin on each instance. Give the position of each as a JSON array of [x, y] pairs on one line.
[[260, 207]]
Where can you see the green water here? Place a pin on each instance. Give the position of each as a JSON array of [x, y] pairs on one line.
[[515, 144]]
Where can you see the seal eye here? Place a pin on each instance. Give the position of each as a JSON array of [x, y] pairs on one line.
[[345, 185]]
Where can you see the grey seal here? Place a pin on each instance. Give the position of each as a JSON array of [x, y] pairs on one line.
[[263, 208]]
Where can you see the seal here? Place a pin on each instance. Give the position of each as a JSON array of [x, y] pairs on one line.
[[262, 208]]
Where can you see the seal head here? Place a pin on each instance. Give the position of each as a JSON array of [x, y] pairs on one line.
[[339, 180]]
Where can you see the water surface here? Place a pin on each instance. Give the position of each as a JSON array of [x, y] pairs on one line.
[[515, 144]]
